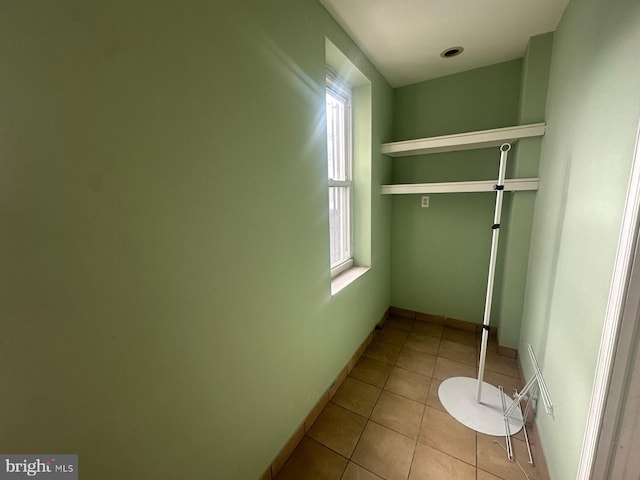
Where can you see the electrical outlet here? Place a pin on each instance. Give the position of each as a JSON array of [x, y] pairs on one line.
[[425, 202]]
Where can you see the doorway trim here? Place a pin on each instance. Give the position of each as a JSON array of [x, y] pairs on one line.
[[620, 319]]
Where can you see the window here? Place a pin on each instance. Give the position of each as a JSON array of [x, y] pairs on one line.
[[339, 155], [350, 150]]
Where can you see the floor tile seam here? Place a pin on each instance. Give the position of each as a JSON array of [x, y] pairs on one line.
[[308, 435], [416, 350], [489, 369], [392, 327], [420, 372], [328, 448], [475, 449], [363, 381], [407, 347], [381, 340], [475, 437], [367, 469], [441, 408], [353, 411], [413, 457], [432, 352], [385, 344], [331, 402], [416, 441], [439, 339], [381, 361], [385, 383], [449, 454], [423, 420], [471, 358], [361, 466], [497, 358], [405, 397], [412, 371], [453, 345], [454, 360], [368, 383], [424, 412], [461, 342], [383, 426], [401, 345], [395, 431], [375, 404], [473, 362], [524, 474], [377, 339], [421, 332], [492, 473], [514, 439], [355, 447]]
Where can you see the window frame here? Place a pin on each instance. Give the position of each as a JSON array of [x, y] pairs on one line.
[[341, 90]]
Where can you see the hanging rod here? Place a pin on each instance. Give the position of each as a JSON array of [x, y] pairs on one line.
[[513, 185]]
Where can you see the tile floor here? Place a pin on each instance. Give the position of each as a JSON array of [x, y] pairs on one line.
[[386, 420]]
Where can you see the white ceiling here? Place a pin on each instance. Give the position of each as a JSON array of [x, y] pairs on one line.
[[404, 38]]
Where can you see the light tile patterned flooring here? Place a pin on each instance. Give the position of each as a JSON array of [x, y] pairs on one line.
[[386, 420]]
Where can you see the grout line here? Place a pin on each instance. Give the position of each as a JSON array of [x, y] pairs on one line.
[[359, 438], [475, 437], [515, 460], [366, 469], [394, 431], [374, 336], [413, 455]]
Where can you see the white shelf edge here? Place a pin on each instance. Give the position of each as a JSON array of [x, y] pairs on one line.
[[513, 185], [463, 141]]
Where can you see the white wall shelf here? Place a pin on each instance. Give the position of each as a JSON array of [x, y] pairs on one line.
[[514, 185], [463, 141]]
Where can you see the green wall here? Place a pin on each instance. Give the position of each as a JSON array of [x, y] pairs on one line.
[[440, 254], [517, 216], [592, 114], [165, 303], [165, 297]]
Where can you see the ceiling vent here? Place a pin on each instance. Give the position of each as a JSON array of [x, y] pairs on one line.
[[451, 52]]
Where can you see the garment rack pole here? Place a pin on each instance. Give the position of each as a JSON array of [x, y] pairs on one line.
[[504, 151], [473, 402]]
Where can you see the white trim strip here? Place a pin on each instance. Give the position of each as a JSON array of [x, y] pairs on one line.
[[341, 267], [513, 185], [346, 278], [340, 183], [463, 141], [613, 318]]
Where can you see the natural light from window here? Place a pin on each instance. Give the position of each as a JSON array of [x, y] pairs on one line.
[[340, 173]]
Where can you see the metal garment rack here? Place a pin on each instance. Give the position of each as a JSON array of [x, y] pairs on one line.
[[536, 384], [480, 405], [504, 149], [473, 402]]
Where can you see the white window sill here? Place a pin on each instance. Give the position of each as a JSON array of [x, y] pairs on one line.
[[347, 277]]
